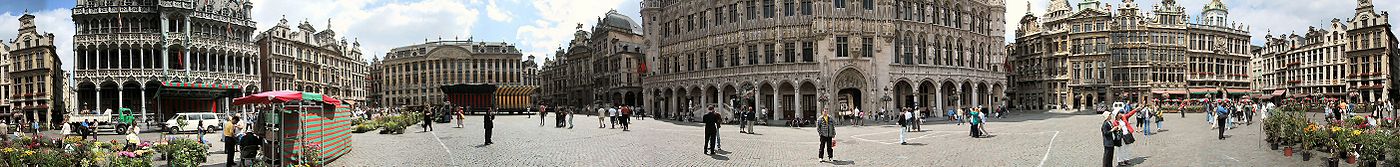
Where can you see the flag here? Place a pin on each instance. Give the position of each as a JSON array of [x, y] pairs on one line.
[[641, 64], [228, 27], [119, 19], [180, 59]]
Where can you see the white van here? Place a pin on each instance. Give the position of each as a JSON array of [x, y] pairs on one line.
[[1118, 106], [211, 122]]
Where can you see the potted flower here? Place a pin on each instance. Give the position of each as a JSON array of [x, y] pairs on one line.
[[1372, 147], [1309, 138]]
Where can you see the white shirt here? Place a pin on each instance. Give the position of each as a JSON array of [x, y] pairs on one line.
[[612, 112]]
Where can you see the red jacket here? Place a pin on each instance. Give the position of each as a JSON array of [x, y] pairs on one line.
[[1125, 117]]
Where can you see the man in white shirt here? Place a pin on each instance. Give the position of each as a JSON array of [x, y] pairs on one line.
[[612, 113], [602, 114]]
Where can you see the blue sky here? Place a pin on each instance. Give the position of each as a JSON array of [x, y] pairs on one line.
[[538, 27]]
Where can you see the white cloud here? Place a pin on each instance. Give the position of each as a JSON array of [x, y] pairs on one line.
[[379, 25], [56, 21], [496, 13], [557, 23]]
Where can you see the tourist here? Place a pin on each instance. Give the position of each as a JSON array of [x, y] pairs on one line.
[[570, 113], [612, 117], [1109, 141], [711, 120], [626, 115], [458, 115], [825, 131], [1157, 118], [231, 129], [973, 120], [1145, 120], [1220, 121], [199, 129], [904, 117], [544, 109], [917, 120], [750, 118], [602, 114], [1126, 132], [427, 120], [5, 130], [488, 121]]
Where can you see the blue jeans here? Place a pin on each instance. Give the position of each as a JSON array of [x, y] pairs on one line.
[[902, 130]]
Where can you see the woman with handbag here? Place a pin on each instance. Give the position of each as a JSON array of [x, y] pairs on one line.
[[1126, 136]]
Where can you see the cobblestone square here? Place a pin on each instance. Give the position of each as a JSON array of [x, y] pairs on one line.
[[1018, 140]]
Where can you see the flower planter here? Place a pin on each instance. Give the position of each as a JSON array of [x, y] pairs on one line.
[[1273, 146], [1332, 162], [1351, 159], [1288, 151], [1369, 163], [1307, 155]]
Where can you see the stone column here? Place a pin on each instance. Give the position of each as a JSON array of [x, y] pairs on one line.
[[976, 97], [797, 102], [143, 103], [98, 56], [777, 108], [120, 92], [938, 95], [98, 99]]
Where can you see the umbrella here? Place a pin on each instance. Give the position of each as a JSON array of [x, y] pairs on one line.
[[283, 96]]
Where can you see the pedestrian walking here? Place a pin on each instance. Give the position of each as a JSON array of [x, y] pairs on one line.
[[612, 117], [459, 116], [427, 120], [1220, 121], [602, 114], [904, 117], [488, 121], [711, 120], [974, 118], [826, 131], [626, 116]]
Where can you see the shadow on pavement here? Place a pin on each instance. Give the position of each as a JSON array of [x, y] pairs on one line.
[[915, 144], [1138, 160], [840, 162], [719, 157]]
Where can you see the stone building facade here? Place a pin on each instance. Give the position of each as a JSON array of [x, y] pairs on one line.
[[1349, 59], [34, 80], [163, 56], [1075, 59], [305, 59], [599, 67], [411, 75], [795, 56]]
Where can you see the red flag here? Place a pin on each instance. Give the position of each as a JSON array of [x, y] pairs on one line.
[[119, 19], [180, 58], [228, 27], [641, 68]]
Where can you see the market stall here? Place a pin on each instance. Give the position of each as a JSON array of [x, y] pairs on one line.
[[310, 128]]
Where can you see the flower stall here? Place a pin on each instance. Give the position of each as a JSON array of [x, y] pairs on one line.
[[311, 129]]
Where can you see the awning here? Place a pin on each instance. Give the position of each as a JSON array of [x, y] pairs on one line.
[[1201, 91], [1171, 92], [1279, 92], [1237, 91], [198, 85]]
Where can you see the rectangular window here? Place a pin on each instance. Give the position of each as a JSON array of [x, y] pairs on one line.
[[690, 23], [839, 4], [703, 64], [690, 66], [806, 7], [788, 9], [701, 24], [867, 47], [734, 56], [752, 10], [807, 51], [868, 4], [733, 13], [768, 8], [719, 16], [789, 52], [753, 54], [719, 58], [841, 49], [768, 52]]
